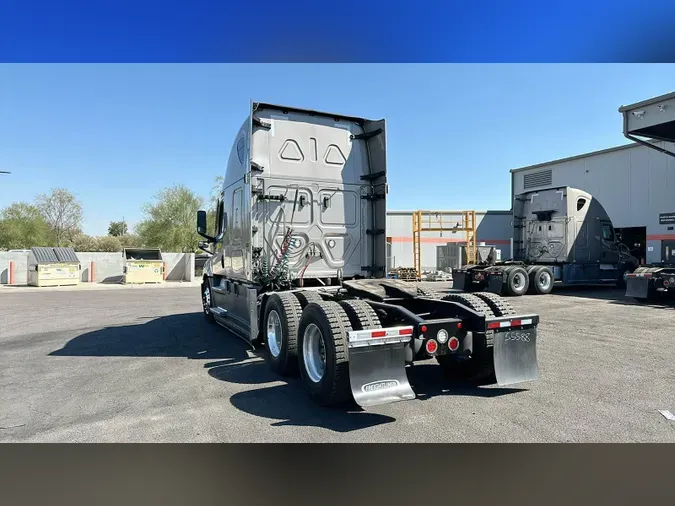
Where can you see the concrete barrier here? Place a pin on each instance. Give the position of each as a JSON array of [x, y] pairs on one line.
[[98, 267]]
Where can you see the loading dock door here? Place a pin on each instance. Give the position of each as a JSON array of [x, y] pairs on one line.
[[635, 239]]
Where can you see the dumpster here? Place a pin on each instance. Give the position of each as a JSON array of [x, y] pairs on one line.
[[53, 267], [143, 265]]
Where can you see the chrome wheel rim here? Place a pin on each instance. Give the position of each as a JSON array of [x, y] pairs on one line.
[[518, 280], [314, 353], [206, 300], [274, 333], [544, 280]]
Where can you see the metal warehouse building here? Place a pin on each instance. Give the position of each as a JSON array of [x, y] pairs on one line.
[[492, 227], [635, 184]]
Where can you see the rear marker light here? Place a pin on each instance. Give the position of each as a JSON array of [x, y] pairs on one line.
[[405, 332], [379, 333], [423, 328], [459, 325], [431, 346], [453, 344]]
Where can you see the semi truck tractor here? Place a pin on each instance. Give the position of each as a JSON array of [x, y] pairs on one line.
[[654, 119], [561, 235], [297, 267]]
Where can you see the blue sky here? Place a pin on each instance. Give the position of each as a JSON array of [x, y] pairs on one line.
[[117, 134]]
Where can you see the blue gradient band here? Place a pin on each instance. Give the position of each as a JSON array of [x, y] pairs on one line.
[[338, 31]]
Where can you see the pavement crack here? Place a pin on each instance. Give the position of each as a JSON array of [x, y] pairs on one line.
[[13, 426]]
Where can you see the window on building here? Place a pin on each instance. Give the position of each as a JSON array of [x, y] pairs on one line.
[[581, 202]]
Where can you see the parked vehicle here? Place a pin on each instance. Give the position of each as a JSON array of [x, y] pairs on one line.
[[654, 119], [298, 265], [562, 235]]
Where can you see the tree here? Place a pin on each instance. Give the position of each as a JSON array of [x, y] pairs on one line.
[[23, 226], [117, 228], [171, 222], [215, 193], [62, 211], [108, 243], [213, 204], [84, 242]]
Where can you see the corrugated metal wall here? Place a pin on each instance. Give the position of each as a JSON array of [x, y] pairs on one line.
[[633, 183], [493, 227]]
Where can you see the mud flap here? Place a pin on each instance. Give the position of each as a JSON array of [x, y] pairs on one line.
[[515, 356], [377, 371], [637, 287], [495, 282]]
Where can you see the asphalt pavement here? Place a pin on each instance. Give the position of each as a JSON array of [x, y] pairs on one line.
[[144, 366]]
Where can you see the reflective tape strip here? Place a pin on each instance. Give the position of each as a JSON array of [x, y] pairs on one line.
[[378, 337]]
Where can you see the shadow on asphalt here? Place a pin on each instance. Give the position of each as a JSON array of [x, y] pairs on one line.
[[614, 295], [231, 360], [428, 381], [180, 335]]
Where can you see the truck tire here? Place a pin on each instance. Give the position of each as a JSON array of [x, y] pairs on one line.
[[623, 270], [472, 301], [307, 296], [323, 357], [207, 301], [280, 333], [480, 366], [361, 315], [541, 280], [430, 294], [517, 281], [499, 305]]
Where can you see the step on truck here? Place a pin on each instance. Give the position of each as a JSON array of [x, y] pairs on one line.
[[653, 119], [561, 236], [297, 265]]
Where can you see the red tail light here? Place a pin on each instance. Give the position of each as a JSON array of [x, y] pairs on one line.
[[431, 346], [405, 332], [378, 333], [453, 344]]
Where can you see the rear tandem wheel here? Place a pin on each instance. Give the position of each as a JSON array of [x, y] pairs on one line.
[[499, 305], [323, 356], [361, 315], [479, 367], [280, 332], [307, 296], [517, 281], [541, 280]]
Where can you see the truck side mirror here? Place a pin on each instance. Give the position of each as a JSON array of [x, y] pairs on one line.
[[201, 222], [201, 225]]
